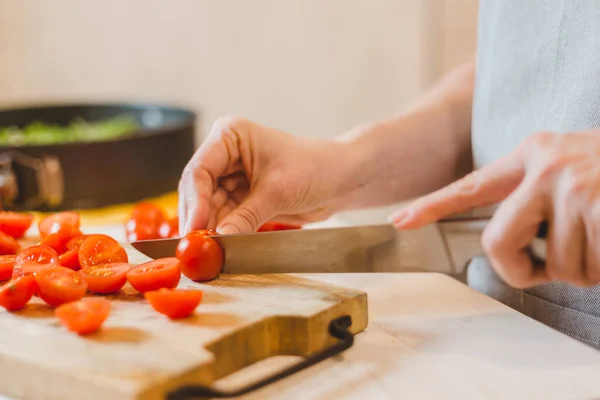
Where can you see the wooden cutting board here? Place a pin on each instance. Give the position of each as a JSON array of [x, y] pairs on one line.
[[140, 354]]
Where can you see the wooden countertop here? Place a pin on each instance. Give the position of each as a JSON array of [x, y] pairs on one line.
[[430, 336]]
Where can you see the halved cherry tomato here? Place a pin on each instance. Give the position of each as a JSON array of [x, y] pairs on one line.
[[57, 240], [101, 249], [107, 278], [169, 228], [137, 230], [70, 259], [58, 285], [66, 221], [15, 224], [76, 241], [15, 294], [38, 254], [155, 274], [148, 213], [201, 256], [8, 244], [174, 303], [277, 226], [7, 264], [84, 316]]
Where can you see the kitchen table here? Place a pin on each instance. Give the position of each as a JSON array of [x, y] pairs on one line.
[[431, 336]]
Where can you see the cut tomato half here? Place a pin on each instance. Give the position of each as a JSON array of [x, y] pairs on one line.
[[7, 264], [70, 259], [8, 244], [155, 274], [58, 241], [59, 285], [101, 249], [15, 294], [76, 241], [15, 224], [66, 221], [174, 303], [84, 316], [106, 278], [38, 255]]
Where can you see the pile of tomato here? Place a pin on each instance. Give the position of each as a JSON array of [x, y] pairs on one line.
[[66, 265]]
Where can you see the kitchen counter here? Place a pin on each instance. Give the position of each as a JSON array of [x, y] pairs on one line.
[[431, 336]]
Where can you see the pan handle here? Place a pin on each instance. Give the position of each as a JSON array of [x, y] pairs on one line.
[[338, 328]]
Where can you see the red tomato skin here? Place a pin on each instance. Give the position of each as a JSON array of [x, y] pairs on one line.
[[277, 226], [52, 285], [58, 241], [101, 249], [8, 244], [201, 256], [156, 274], [169, 228], [65, 221], [7, 264], [174, 303], [76, 241], [15, 224], [105, 279], [15, 294], [83, 316], [140, 231], [38, 254], [147, 213], [70, 259]]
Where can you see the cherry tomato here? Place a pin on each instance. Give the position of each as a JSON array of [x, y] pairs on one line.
[[76, 241], [201, 256], [174, 303], [7, 264], [155, 274], [38, 255], [84, 316], [15, 294], [141, 230], [169, 228], [15, 224], [148, 213], [8, 244], [107, 278], [101, 249], [277, 226], [58, 241], [70, 259], [58, 285], [66, 221]]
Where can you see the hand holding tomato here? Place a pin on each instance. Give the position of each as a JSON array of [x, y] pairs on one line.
[[246, 174]]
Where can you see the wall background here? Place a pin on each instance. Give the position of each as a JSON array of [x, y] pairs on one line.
[[310, 67]]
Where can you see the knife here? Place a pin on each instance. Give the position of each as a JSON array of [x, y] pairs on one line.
[[367, 248]]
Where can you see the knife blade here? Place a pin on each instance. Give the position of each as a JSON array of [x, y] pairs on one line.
[[366, 248]]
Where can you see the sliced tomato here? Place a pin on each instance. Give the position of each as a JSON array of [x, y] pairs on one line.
[[7, 263], [76, 241], [66, 221], [58, 241], [59, 285], [148, 213], [15, 224], [70, 259], [8, 244], [106, 278], [277, 226], [101, 249], [84, 316], [155, 274], [15, 294], [169, 228], [37, 255], [141, 231], [174, 303], [201, 256]]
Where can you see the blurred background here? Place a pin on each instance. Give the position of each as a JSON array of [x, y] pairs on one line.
[[309, 67]]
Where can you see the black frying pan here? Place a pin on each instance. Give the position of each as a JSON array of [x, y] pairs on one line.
[[84, 175]]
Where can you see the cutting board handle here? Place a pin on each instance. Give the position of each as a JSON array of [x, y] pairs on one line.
[[338, 328]]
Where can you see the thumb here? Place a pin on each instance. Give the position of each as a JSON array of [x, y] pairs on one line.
[[483, 187], [248, 216]]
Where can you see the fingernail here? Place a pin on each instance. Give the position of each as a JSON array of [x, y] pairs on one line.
[[186, 228], [227, 229], [399, 216]]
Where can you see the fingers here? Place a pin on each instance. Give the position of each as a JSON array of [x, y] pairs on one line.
[[248, 216], [482, 187], [508, 234]]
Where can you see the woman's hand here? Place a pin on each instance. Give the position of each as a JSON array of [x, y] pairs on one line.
[[553, 177], [246, 174]]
